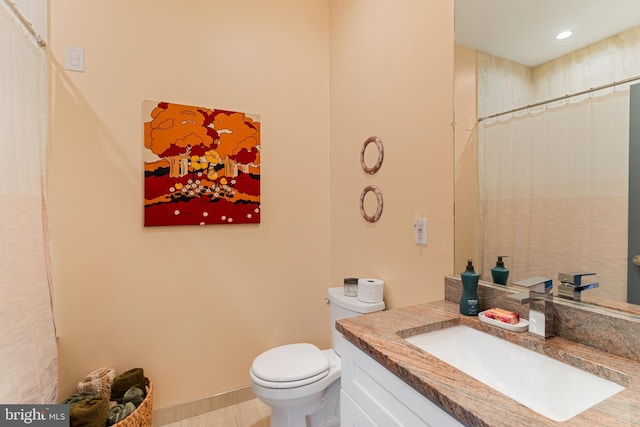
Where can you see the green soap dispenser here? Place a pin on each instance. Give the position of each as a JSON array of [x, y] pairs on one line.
[[499, 273], [469, 304]]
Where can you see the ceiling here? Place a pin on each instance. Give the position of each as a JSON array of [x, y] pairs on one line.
[[524, 31]]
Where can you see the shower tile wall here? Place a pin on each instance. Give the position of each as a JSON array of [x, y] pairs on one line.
[[503, 85]]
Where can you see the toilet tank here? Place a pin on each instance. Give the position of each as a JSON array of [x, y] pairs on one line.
[[341, 307]]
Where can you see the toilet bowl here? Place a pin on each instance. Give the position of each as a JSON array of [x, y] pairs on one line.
[[300, 382], [310, 387]]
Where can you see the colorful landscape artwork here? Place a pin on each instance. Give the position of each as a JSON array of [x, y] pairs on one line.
[[201, 165]]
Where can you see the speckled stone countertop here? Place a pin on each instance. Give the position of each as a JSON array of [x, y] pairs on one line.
[[380, 335]]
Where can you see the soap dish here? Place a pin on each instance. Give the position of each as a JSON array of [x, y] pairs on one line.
[[521, 326]]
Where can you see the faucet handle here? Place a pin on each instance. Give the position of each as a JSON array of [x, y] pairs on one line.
[[575, 278], [571, 285], [539, 285]]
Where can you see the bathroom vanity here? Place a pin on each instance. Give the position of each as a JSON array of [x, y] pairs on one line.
[[370, 392], [387, 381]]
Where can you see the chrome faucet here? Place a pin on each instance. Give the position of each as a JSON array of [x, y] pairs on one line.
[[571, 286], [540, 299]]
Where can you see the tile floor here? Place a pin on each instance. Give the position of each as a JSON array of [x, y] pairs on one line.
[[251, 413]]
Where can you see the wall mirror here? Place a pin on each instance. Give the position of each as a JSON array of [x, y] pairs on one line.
[[494, 27]]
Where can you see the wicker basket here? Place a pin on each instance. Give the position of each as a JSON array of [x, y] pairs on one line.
[[141, 417]]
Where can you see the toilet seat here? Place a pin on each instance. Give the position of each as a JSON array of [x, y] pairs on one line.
[[289, 366]]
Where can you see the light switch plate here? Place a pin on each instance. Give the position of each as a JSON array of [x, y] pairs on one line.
[[74, 59], [420, 231]]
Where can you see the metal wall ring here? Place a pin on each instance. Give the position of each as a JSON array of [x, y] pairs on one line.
[[373, 169], [376, 191]]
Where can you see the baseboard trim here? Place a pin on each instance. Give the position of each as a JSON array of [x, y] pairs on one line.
[[172, 414]]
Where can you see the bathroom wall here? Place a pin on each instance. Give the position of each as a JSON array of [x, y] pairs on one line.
[[392, 77], [610, 60], [195, 305], [503, 84], [192, 305]]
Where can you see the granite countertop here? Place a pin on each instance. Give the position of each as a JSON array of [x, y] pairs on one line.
[[380, 335]]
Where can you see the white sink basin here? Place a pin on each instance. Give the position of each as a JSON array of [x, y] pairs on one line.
[[551, 388]]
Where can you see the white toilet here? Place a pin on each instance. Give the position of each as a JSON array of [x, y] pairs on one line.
[[301, 383]]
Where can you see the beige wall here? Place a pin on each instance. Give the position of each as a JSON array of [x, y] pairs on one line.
[[191, 305], [392, 76], [504, 85], [613, 59], [195, 305]]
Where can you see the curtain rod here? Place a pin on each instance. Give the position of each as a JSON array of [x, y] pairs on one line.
[[560, 98], [25, 22]]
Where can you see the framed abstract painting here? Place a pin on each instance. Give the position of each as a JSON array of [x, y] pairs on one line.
[[201, 165]]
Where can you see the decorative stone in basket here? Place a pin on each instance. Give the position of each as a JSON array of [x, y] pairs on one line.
[[141, 417]]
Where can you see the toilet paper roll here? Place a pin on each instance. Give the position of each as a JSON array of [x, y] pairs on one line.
[[370, 290]]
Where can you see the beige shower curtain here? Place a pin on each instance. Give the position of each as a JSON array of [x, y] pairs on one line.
[[28, 357], [553, 189]]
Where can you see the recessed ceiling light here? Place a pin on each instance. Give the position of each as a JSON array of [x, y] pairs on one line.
[[564, 35]]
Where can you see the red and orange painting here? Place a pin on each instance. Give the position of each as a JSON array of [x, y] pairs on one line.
[[201, 165]]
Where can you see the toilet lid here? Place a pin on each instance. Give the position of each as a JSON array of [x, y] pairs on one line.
[[290, 365]]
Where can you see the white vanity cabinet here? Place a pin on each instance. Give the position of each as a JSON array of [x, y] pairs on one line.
[[372, 396]]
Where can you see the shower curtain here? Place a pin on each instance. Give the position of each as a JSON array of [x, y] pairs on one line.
[[554, 189], [28, 356]]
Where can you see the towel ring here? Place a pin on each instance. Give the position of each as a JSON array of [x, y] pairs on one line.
[[373, 169], [376, 191]]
